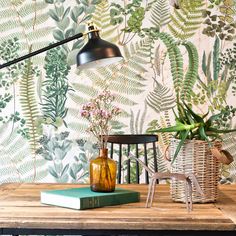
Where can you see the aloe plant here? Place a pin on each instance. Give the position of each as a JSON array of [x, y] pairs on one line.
[[190, 125]]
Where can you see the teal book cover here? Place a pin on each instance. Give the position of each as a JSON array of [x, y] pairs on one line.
[[84, 198]]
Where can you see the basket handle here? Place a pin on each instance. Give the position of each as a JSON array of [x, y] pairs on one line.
[[166, 153]]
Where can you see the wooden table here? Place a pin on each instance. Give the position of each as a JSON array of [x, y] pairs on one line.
[[22, 213]]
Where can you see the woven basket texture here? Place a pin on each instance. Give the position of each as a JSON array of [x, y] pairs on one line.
[[195, 157]]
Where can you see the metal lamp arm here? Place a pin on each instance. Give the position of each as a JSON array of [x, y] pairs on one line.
[[79, 35]]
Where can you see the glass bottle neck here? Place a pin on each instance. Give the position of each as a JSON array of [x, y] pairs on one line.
[[103, 152]]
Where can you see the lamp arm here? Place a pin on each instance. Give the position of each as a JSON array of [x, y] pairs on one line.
[[79, 35]]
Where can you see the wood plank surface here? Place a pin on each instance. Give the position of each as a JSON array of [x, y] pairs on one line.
[[20, 207]]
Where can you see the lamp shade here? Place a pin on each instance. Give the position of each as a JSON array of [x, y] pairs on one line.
[[97, 52]]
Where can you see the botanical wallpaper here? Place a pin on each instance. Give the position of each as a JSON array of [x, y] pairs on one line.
[[171, 48]]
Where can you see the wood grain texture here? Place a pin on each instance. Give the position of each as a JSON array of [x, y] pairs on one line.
[[20, 207]]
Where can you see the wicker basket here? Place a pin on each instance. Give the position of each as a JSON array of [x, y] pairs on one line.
[[195, 157]]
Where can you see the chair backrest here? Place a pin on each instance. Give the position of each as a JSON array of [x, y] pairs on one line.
[[125, 145]]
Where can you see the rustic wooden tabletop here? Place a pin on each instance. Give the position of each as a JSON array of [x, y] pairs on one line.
[[22, 213]]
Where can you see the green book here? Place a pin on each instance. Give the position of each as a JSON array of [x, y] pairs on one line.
[[84, 198]]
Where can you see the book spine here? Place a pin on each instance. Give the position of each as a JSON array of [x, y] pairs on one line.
[[109, 200], [89, 202]]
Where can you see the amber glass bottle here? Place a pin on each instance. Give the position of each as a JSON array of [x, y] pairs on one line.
[[102, 173]]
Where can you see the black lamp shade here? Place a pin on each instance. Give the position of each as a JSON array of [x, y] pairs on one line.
[[97, 52]]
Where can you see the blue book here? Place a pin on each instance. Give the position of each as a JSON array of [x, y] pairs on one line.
[[84, 198]]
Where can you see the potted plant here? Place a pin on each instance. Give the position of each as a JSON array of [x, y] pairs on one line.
[[196, 148]]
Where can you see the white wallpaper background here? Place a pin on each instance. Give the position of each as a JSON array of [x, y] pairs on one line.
[[168, 46]]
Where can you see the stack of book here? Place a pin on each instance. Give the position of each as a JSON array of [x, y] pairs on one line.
[[84, 198]]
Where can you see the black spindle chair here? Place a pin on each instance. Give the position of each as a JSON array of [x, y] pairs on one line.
[[119, 143]]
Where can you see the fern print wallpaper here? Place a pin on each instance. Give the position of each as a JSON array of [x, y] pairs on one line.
[[171, 48]]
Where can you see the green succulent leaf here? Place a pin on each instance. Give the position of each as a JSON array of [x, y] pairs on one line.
[[205, 115], [203, 134], [221, 131], [194, 115], [178, 127], [184, 135], [182, 114], [213, 118]]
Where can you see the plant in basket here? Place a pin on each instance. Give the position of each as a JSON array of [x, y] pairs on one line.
[[190, 126], [196, 148], [99, 112]]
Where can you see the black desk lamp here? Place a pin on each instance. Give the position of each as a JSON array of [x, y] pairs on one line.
[[95, 53]]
